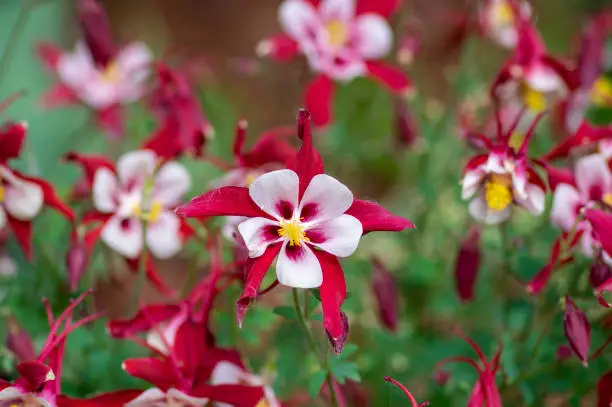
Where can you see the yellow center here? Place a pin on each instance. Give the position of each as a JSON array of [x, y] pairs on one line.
[[1, 193], [601, 92], [150, 216], [111, 73], [498, 193], [249, 178], [338, 33], [516, 140], [533, 100], [293, 231], [263, 403], [503, 13], [607, 199]]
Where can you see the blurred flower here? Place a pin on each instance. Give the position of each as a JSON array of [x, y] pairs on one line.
[[77, 260], [587, 136], [342, 40], [22, 197], [183, 127], [600, 273], [564, 352], [604, 390], [406, 392], [19, 341], [306, 217], [441, 377], [407, 128], [385, 293], [97, 73], [467, 264], [498, 20], [577, 330], [408, 47]]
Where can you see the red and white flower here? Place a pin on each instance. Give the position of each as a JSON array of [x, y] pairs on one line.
[[307, 218], [498, 20], [228, 372], [342, 40]]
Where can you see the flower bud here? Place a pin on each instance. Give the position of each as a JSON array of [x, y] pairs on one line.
[[338, 343], [600, 273], [77, 259], [563, 352], [96, 31], [441, 377], [467, 264], [385, 293], [577, 330], [18, 341]]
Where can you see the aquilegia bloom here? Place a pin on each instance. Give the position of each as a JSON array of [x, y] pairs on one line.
[[498, 20], [342, 40], [307, 218]]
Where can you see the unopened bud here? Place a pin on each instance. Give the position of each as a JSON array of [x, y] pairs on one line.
[[18, 341], [77, 259]]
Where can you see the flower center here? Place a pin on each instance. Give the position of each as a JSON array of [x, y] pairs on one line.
[[533, 100], [111, 72], [1, 192], [148, 215], [503, 13], [337, 32], [607, 199], [249, 178], [293, 230], [516, 140], [263, 403], [601, 92], [498, 193]]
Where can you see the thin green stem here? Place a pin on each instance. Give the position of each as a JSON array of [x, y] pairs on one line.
[[142, 273], [12, 42], [506, 272], [314, 347]]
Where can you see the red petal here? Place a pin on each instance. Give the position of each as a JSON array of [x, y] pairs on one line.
[[225, 201], [35, 373], [255, 270], [602, 226], [58, 95], [271, 147], [374, 217], [212, 357], [145, 319], [467, 265], [337, 343], [318, 99], [333, 293], [113, 399], [558, 176], [382, 7], [92, 236], [235, 394], [189, 346], [23, 233], [308, 162], [539, 281], [585, 135], [604, 390], [90, 163], [577, 330], [96, 31], [49, 54], [395, 79], [12, 137], [280, 48], [239, 138], [605, 287], [158, 372], [111, 121], [50, 196]]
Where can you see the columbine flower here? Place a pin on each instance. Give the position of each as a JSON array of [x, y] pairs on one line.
[[498, 20], [342, 39], [577, 330], [97, 73], [307, 218], [22, 197]]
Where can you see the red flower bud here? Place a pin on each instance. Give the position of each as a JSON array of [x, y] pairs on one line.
[[97, 32], [599, 274], [407, 128], [604, 391], [77, 259], [441, 377], [577, 330], [338, 343], [467, 265], [563, 352], [385, 293], [18, 341]]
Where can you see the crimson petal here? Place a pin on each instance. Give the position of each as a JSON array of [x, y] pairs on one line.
[[50, 196], [12, 137], [577, 330], [113, 399], [90, 163], [318, 99], [145, 319], [58, 95], [49, 54], [602, 226], [97, 32], [280, 48], [235, 394], [393, 78], [23, 233], [604, 390], [156, 371], [333, 293], [383, 7], [225, 201], [467, 265], [374, 217], [111, 121], [35, 373]]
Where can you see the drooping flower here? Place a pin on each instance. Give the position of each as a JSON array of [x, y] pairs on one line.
[[384, 285], [467, 265], [98, 73], [18, 341], [577, 330], [304, 216], [342, 40], [498, 20], [406, 392], [77, 259], [22, 197]]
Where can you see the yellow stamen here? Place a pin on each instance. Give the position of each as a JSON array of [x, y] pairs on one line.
[[1, 193], [111, 73], [601, 92], [249, 178], [338, 33], [502, 13], [533, 100], [263, 403], [148, 216], [293, 231], [607, 199], [516, 140], [50, 376], [498, 192]]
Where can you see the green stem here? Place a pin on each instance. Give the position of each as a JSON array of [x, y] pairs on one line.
[[11, 43], [506, 272], [142, 273], [314, 348]]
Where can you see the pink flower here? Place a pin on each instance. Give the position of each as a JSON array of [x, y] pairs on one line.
[[97, 73], [498, 20], [342, 40], [304, 216]]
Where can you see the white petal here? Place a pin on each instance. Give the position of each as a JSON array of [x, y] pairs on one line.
[[105, 191], [123, 236], [605, 148], [592, 175], [235, 177], [345, 71], [177, 395], [148, 398], [258, 234], [163, 235], [298, 17], [298, 267], [23, 199], [226, 373], [587, 242], [172, 182], [77, 68], [325, 198], [495, 163], [10, 393], [273, 190], [534, 200], [543, 79], [339, 236], [471, 182], [136, 166], [8, 267], [565, 201], [374, 36], [480, 211], [2, 218], [343, 10], [99, 93], [134, 61]]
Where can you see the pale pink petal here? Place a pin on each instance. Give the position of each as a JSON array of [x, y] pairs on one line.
[[22, 199], [105, 190], [593, 176], [471, 182], [226, 373], [186, 400], [172, 182], [298, 19], [258, 234], [148, 398], [10, 393], [2, 218], [230, 229], [99, 93], [566, 200], [605, 148], [77, 68], [534, 200], [480, 211], [495, 163], [235, 177], [544, 79], [164, 236], [339, 236], [276, 193], [123, 235], [134, 61], [587, 242], [520, 178], [341, 10], [374, 36], [298, 267], [325, 198], [135, 167], [343, 67]]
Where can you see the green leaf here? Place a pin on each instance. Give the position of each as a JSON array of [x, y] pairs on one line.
[[286, 312], [343, 370], [315, 383]]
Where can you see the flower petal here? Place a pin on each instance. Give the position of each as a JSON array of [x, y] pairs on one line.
[[226, 373], [341, 10], [333, 293], [297, 18], [163, 236], [374, 217], [602, 226], [297, 266], [258, 234], [280, 48], [480, 211], [318, 99], [276, 193], [534, 200], [12, 138], [136, 167], [23, 233], [225, 201], [235, 395], [471, 182], [123, 235], [383, 7], [172, 182], [50, 197], [2, 218], [153, 370], [147, 398], [134, 61], [23, 199], [566, 201], [324, 199], [375, 37], [144, 320], [593, 176], [339, 236], [105, 191], [76, 69], [391, 77], [308, 162]]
